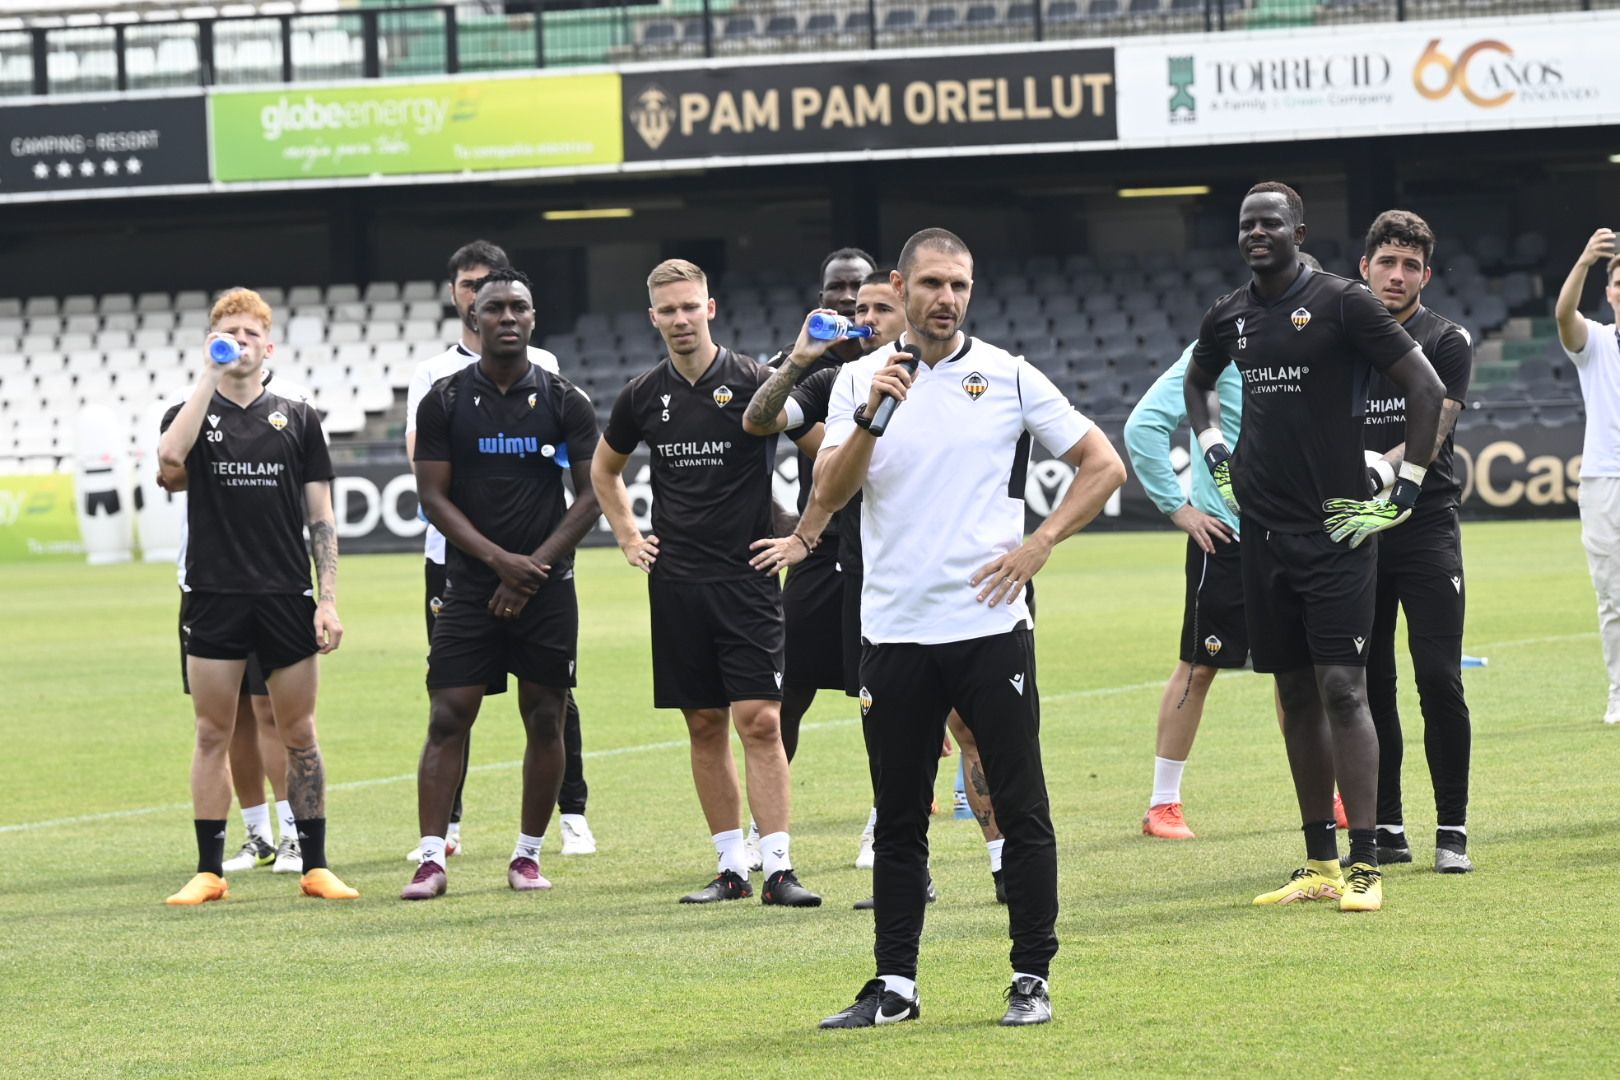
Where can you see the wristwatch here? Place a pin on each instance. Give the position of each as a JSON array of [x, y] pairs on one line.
[[862, 421]]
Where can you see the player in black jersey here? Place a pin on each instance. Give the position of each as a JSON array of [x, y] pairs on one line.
[[490, 440], [1419, 564], [256, 470], [812, 595], [716, 623], [1307, 344]]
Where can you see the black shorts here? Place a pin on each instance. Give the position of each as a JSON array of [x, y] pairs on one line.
[[438, 587], [471, 647], [277, 629], [715, 642], [252, 676], [1213, 630], [813, 611], [1308, 600]]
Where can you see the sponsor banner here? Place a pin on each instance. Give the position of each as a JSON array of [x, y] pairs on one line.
[[38, 517], [1378, 79], [842, 106], [394, 129], [82, 146]]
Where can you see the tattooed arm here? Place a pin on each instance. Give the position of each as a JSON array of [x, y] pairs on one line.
[[323, 546], [766, 415]]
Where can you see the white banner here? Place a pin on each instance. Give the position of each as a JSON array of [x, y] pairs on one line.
[[1372, 79]]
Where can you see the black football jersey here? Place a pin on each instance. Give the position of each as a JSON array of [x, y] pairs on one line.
[[503, 451], [1307, 359], [711, 480], [1451, 351], [245, 508], [814, 394]]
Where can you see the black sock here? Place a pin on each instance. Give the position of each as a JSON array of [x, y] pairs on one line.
[[210, 845], [1321, 841], [1452, 840], [312, 842], [1364, 846]]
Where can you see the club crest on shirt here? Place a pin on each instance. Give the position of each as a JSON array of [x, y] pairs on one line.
[[975, 385], [278, 419], [865, 700], [1212, 645], [1301, 318], [722, 396], [532, 399]]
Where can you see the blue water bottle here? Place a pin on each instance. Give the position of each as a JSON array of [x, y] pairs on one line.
[[224, 351], [832, 327]]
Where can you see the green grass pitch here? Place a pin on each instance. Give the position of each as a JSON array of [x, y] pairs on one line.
[[1165, 967]]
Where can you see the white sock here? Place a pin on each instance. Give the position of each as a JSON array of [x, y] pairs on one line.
[[729, 846], [1022, 975], [433, 849], [994, 847], [1398, 830], [257, 821], [871, 822], [575, 821], [455, 831], [289, 824], [1454, 828], [774, 848], [528, 847], [899, 984], [1166, 781]]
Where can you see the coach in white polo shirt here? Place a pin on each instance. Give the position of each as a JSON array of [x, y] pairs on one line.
[[943, 618], [1595, 348]]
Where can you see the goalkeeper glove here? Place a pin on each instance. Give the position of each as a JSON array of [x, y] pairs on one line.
[[1219, 460], [1357, 519]]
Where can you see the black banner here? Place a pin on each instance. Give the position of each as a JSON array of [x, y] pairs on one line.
[[78, 146], [851, 105]]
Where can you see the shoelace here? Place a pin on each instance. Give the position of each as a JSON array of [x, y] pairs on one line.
[[423, 872], [1363, 880]]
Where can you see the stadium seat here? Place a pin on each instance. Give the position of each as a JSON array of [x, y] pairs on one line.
[[821, 22], [304, 296], [40, 305], [941, 18], [304, 330], [899, 19], [781, 25], [349, 311], [419, 290], [378, 292]]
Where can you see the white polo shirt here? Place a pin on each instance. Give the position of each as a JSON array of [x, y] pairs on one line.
[[1598, 366], [945, 492], [427, 373]]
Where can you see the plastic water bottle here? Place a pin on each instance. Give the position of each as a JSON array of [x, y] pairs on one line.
[[960, 810], [224, 351], [1475, 661], [833, 327]]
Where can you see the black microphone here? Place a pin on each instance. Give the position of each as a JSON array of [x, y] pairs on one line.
[[886, 407]]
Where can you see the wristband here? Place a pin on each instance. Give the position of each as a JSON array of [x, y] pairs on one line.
[[1385, 472], [808, 546], [1408, 485], [1210, 438]]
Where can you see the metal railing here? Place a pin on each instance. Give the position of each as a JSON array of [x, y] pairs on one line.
[[407, 40]]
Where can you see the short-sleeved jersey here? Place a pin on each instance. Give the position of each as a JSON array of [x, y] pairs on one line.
[[502, 450], [245, 507], [427, 373], [945, 489], [711, 480], [807, 463], [1597, 365], [1451, 351], [813, 394], [1307, 358]]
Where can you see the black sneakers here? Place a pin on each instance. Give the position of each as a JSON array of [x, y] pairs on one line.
[[784, 889], [1001, 886], [1027, 1003], [727, 885], [875, 1005], [871, 901]]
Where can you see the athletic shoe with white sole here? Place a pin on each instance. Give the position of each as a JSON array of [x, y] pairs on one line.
[[255, 852], [727, 885], [875, 1005], [864, 858], [524, 876], [1027, 1003], [784, 890], [577, 836], [289, 860]]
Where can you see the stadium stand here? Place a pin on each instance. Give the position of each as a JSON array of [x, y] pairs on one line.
[[1102, 327]]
